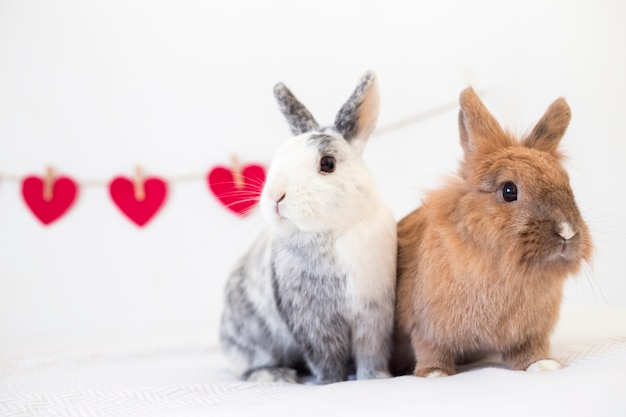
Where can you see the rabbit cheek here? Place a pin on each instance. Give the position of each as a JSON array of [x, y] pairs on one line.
[[537, 244], [540, 246]]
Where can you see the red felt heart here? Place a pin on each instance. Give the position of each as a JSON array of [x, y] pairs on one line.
[[63, 195], [122, 191], [242, 199]]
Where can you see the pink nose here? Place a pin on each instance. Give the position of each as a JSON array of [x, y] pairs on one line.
[[566, 231]]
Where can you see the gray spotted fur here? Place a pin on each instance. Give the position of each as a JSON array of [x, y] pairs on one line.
[[286, 303], [289, 309], [286, 308], [309, 290]]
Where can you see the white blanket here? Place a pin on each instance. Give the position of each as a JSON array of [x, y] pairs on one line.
[[177, 376]]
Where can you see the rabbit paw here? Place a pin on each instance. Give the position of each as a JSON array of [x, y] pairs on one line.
[[373, 374], [273, 375], [544, 365], [431, 372], [438, 373]]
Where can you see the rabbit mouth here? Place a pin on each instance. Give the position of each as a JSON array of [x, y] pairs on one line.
[[563, 252], [279, 215], [277, 209], [566, 251], [562, 245]]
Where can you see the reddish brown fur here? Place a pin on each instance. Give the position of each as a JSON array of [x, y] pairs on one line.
[[480, 275]]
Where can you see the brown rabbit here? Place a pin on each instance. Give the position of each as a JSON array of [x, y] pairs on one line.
[[481, 265]]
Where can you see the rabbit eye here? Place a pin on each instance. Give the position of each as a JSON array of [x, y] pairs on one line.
[[327, 164], [509, 192]]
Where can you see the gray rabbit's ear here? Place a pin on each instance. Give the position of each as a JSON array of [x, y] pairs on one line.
[[357, 118], [299, 118]]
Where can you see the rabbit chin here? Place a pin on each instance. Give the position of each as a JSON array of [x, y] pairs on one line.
[[277, 221], [282, 225], [565, 258]]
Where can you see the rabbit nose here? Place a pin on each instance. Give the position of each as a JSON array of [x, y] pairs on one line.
[[565, 230], [282, 197]]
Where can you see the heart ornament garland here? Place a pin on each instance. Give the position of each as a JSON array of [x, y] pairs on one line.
[[237, 188]]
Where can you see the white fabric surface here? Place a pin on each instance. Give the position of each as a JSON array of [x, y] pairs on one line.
[[175, 375]]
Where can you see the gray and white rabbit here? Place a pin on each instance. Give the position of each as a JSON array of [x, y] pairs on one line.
[[316, 290]]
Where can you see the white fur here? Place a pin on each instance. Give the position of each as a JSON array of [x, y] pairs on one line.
[[544, 365], [368, 251], [566, 231], [264, 375], [315, 202], [436, 374], [345, 202]]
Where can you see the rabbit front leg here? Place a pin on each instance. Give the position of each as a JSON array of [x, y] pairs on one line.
[[254, 352], [432, 360], [327, 350], [253, 336], [372, 340], [312, 308], [371, 292], [533, 355]]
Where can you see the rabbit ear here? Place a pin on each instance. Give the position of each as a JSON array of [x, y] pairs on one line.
[[478, 129], [299, 118], [357, 118], [547, 133]]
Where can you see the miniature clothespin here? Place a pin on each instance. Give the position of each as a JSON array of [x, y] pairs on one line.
[[237, 172], [138, 184], [48, 184]]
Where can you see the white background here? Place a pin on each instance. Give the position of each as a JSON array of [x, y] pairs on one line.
[[95, 88]]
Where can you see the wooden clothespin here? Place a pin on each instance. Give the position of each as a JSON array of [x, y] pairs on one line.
[[138, 183], [48, 184], [237, 172]]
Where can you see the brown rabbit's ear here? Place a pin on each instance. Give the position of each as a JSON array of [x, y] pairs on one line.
[[547, 133], [478, 129]]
